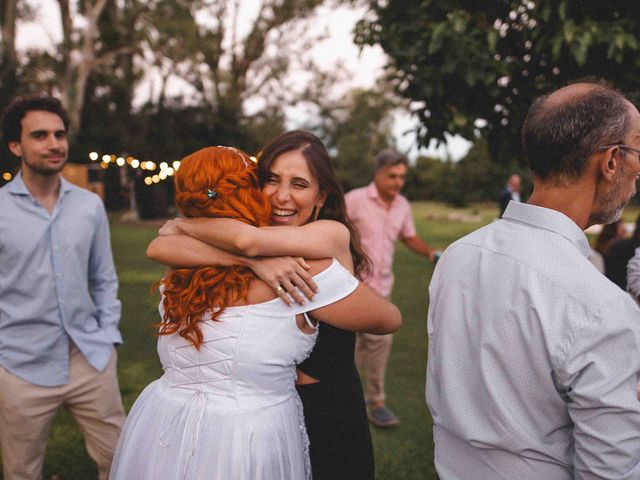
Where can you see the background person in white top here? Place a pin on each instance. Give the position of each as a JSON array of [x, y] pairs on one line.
[[534, 356]]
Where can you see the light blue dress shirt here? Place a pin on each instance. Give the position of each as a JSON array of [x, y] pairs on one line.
[[534, 356], [57, 283]]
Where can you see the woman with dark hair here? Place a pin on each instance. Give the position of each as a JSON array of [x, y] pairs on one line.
[[608, 236], [616, 259], [295, 173], [226, 406]]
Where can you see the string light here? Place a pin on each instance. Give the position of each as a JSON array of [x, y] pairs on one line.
[[166, 169], [106, 159]]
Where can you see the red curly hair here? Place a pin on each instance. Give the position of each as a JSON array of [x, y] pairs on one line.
[[190, 293]]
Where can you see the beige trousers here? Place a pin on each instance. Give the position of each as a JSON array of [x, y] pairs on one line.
[[372, 355], [27, 411]]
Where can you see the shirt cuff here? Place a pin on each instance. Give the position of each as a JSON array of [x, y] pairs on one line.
[[115, 336]]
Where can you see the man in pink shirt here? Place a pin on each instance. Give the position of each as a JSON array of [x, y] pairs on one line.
[[382, 216]]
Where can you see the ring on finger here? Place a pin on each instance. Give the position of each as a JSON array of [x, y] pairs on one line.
[[279, 289]]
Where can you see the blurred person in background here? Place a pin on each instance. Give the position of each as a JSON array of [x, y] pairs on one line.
[[382, 215], [618, 256], [609, 234], [511, 192]]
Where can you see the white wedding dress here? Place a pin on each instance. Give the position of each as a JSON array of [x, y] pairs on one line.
[[229, 411]]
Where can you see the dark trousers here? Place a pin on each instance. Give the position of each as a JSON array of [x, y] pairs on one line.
[[338, 429]]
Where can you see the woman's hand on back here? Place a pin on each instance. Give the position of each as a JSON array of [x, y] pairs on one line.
[[284, 274]]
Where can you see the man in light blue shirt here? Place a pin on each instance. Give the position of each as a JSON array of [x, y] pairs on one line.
[[534, 356], [59, 310]]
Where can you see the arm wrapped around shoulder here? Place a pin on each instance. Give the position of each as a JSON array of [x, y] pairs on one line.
[[344, 302]]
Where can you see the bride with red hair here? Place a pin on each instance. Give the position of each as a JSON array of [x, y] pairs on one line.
[[226, 406]]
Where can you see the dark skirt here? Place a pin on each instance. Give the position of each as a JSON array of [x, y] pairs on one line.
[[335, 413]]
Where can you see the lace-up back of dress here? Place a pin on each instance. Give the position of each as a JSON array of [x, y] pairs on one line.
[[242, 358]]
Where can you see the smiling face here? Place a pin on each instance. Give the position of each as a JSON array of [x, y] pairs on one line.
[[292, 189], [43, 144]]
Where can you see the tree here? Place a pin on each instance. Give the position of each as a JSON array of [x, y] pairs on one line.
[[481, 179], [8, 56], [198, 43], [81, 55], [475, 67], [119, 62], [355, 128], [204, 44], [434, 179]]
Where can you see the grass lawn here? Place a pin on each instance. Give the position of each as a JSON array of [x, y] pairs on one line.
[[405, 452]]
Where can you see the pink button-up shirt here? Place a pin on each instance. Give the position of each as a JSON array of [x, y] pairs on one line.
[[380, 226]]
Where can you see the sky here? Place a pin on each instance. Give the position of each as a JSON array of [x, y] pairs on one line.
[[365, 65]]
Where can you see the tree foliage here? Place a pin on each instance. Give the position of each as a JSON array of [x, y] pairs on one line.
[[200, 45], [355, 128], [8, 58], [475, 178], [157, 79], [474, 67]]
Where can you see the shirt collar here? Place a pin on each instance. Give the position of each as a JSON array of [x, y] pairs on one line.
[[65, 186], [548, 219], [17, 186], [372, 192]]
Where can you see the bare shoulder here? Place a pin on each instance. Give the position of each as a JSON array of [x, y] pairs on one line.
[[329, 225], [333, 228]]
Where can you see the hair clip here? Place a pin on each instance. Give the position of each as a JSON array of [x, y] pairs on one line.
[[211, 193]]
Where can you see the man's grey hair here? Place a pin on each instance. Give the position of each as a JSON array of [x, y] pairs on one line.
[[558, 138], [388, 158]]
